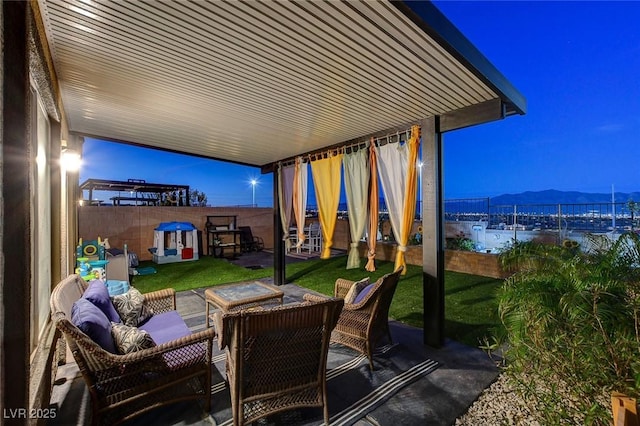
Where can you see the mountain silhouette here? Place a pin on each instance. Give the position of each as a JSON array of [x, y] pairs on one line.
[[553, 196]]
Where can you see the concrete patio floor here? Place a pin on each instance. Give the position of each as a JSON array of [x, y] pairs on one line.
[[437, 398]]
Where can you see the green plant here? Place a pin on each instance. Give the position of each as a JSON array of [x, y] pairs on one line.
[[197, 198], [572, 322], [460, 242], [415, 239]]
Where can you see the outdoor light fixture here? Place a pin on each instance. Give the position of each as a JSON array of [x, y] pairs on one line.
[[70, 160], [254, 182]]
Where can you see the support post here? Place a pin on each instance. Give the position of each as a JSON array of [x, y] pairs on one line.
[[279, 270], [15, 213], [433, 237]]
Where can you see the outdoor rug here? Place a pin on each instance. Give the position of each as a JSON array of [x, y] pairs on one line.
[[353, 390]]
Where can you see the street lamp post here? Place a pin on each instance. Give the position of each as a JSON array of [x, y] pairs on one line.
[[253, 192]]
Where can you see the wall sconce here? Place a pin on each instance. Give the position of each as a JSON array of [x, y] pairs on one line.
[[70, 160]]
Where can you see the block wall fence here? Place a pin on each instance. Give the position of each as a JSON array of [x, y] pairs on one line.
[[134, 225]]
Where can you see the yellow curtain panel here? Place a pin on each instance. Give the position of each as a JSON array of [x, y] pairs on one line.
[[372, 236], [409, 210], [326, 178]]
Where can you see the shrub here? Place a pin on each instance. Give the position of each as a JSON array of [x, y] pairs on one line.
[[460, 242], [572, 323]]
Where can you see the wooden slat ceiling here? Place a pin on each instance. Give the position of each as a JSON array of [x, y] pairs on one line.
[[250, 82]]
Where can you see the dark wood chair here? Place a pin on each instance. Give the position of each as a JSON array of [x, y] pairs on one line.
[[248, 242]]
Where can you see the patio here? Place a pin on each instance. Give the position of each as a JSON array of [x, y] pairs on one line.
[[441, 384], [308, 79]]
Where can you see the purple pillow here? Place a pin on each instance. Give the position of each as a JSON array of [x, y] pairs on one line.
[[166, 327], [363, 293], [94, 323], [98, 294]]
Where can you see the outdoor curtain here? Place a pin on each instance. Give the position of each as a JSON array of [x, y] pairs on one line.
[[356, 184], [300, 178], [372, 236], [399, 181], [326, 179], [409, 211], [285, 199], [392, 167]]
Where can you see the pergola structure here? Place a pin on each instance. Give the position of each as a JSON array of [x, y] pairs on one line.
[[257, 82], [139, 190], [250, 82]]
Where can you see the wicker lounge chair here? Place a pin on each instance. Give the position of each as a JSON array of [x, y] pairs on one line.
[[124, 386], [361, 325], [277, 358]]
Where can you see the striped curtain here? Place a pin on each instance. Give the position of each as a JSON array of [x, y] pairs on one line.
[[372, 236], [398, 174], [392, 167]]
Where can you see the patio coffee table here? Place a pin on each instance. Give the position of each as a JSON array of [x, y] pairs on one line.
[[233, 297]]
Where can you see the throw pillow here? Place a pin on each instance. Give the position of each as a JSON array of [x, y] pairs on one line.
[[130, 339], [355, 289], [131, 307], [93, 322], [98, 294], [360, 297]]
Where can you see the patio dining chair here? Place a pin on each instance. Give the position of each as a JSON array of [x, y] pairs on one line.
[[313, 238], [365, 321], [249, 242], [277, 358]]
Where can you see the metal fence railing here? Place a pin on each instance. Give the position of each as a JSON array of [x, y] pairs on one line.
[[585, 217]]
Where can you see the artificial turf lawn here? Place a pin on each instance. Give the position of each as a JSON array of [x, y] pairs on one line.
[[470, 300]]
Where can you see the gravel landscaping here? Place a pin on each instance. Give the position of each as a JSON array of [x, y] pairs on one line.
[[499, 404]]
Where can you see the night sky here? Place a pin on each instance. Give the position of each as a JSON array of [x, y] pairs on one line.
[[577, 64]]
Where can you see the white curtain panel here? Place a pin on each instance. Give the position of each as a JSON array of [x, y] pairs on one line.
[[392, 168], [356, 183], [285, 199]]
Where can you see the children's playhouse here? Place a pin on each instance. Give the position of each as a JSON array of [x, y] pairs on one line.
[[175, 242]]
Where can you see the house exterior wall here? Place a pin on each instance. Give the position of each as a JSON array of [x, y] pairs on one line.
[[32, 208]]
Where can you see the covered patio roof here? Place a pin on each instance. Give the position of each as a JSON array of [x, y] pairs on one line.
[[255, 82]]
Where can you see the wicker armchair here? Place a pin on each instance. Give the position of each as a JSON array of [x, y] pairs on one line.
[[124, 386], [277, 358], [361, 325]]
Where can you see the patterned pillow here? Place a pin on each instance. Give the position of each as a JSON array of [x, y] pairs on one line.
[[131, 307], [130, 339], [355, 289]]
